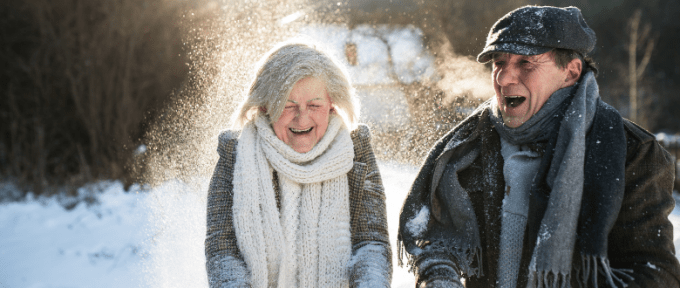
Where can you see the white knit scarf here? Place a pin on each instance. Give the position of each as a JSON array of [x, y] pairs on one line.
[[308, 242]]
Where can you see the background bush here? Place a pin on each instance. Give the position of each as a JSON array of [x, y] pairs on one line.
[[79, 78]]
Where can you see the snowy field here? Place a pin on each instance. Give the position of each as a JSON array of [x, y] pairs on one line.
[[137, 238], [109, 237]]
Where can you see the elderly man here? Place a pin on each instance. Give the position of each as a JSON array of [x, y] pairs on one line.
[[544, 185]]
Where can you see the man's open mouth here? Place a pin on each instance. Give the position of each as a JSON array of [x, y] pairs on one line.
[[514, 101], [298, 131]]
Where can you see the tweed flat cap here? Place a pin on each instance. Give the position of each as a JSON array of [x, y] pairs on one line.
[[533, 30]]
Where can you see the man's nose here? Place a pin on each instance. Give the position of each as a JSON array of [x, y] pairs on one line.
[[507, 76]]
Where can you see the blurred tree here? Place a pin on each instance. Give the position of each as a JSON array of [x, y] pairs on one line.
[[660, 86], [635, 69], [79, 79]]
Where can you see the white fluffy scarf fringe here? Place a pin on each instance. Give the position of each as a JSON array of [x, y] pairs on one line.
[[308, 242]]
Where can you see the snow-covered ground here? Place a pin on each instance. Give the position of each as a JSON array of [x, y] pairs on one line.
[[138, 238]]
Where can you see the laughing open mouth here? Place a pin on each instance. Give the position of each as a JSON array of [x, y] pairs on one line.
[[514, 101], [298, 131]]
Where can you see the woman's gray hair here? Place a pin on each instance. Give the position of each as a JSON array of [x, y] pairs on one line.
[[282, 67]]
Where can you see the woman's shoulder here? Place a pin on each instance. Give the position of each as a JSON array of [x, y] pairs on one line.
[[362, 131], [227, 140], [361, 138], [228, 134]]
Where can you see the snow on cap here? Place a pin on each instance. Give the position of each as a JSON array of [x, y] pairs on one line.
[[533, 30]]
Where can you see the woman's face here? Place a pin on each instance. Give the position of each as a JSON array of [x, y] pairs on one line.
[[305, 117]]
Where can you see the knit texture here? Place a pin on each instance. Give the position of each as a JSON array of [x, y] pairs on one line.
[[631, 233], [541, 126], [551, 263], [559, 215], [314, 210], [520, 165], [368, 225]]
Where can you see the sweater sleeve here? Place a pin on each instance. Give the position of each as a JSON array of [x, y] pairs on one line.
[[224, 263], [423, 222], [371, 262], [642, 237]]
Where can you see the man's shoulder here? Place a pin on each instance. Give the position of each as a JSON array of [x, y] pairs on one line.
[[634, 133], [642, 142], [637, 134], [466, 128]]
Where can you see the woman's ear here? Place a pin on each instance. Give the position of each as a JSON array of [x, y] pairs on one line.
[[574, 68], [263, 109]]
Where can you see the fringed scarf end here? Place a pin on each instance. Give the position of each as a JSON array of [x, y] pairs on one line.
[[406, 258], [591, 266], [549, 279], [586, 275], [467, 260], [401, 253]]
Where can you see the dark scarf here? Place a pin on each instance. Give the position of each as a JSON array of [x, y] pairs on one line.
[[539, 127], [592, 215]]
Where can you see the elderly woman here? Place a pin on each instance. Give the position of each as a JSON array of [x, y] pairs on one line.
[[296, 199]]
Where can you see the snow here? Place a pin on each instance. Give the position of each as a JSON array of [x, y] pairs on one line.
[[376, 44], [650, 265], [668, 140], [139, 238], [388, 57], [44, 245], [375, 266], [417, 225]]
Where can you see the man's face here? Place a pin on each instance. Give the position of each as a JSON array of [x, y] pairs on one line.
[[524, 83]]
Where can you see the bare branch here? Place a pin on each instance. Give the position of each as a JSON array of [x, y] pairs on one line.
[[645, 34], [645, 59], [632, 64]]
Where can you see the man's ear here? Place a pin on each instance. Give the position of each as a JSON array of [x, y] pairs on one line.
[[574, 68]]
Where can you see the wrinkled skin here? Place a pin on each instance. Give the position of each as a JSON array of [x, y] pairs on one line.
[[524, 83], [304, 119]]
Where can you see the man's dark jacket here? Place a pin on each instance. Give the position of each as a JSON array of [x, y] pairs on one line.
[[641, 239]]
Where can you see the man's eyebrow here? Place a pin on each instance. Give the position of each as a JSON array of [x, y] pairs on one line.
[[498, 55], [537, 59], [294, 102]]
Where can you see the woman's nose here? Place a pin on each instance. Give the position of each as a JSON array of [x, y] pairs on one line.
[[302, 115]]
